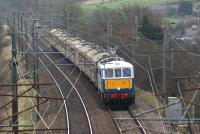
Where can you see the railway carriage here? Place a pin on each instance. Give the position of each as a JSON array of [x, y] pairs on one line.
[[112, 75]]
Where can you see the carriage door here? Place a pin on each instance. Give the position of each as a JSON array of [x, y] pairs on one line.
[[99, 75]]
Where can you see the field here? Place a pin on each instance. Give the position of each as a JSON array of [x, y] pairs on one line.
[[116, 4]]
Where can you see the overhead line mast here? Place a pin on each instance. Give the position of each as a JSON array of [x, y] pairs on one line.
[[14, 81]]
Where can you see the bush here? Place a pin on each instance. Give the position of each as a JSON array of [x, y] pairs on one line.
[[150, 30]]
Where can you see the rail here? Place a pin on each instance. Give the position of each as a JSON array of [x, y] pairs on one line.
[[124, 126]]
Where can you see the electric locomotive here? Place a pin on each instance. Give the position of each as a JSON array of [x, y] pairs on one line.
[[116, 80]]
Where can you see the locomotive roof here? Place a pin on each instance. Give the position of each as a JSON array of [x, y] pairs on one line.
[[114, 64]]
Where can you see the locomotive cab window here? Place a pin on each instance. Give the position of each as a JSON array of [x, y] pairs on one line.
[[118, 73], [102, 73], [126, 72], [108, 73]]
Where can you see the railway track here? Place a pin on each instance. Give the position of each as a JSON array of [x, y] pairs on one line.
[[127, 126], [75, 109]]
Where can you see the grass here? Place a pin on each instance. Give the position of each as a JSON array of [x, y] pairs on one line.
[[148, 98], [5, 53], [24, 103]]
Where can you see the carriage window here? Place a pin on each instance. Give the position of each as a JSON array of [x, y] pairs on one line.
[[127, 72], [118, 73], [108, 73]]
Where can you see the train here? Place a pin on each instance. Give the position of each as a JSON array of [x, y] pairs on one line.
[[112, 76]]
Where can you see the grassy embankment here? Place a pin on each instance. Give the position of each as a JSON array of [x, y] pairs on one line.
[[24, 103], [148, 98]]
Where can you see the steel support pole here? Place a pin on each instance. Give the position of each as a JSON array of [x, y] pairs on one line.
[[165, 44], [37, 74], [26, 45], [135, 34], [136, 31], [14, 88], [21, 32], [18, 29], [35, 61]]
